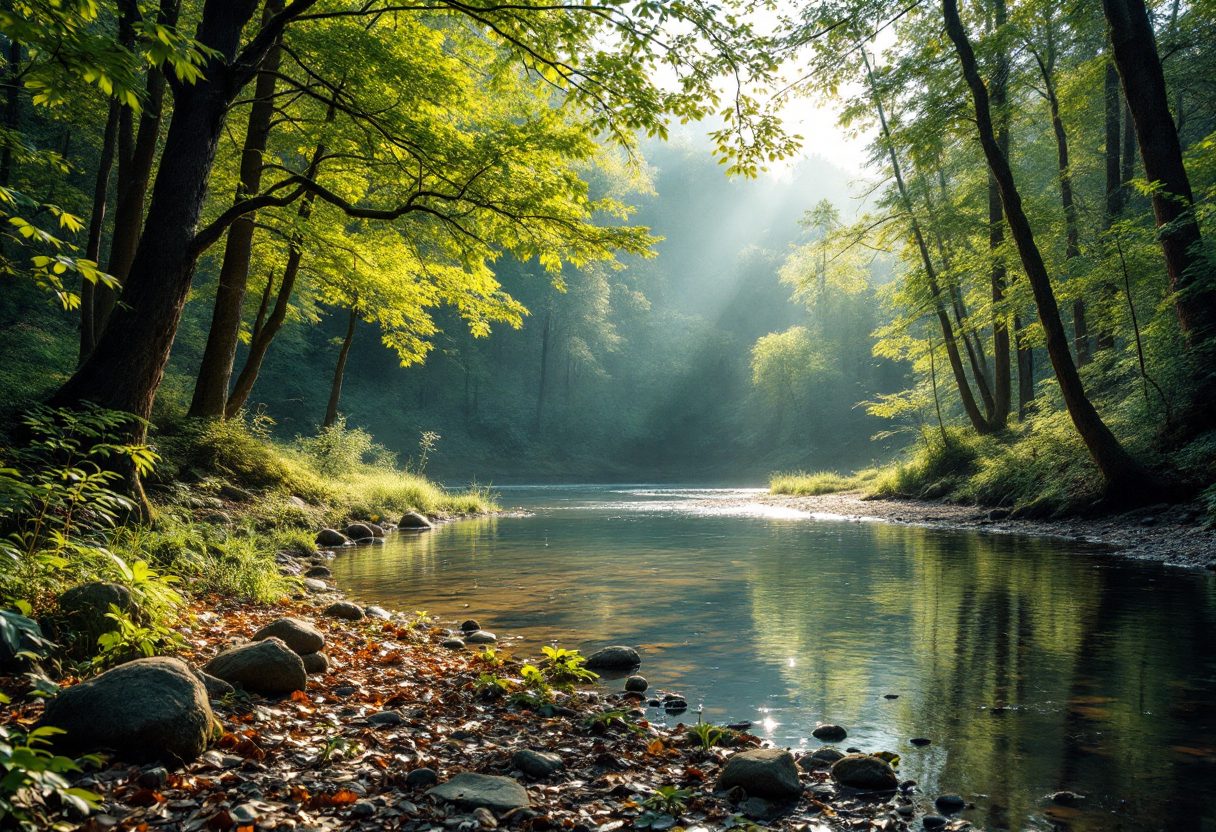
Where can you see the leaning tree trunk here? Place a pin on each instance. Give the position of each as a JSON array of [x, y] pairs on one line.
[[101, 191], [1002, 373], [1135, 50], [136, 157], [1113, 104], [943, 318], [1124, 480], [335, 390], [267, 328], [126, 367], [215, 371], [1072, 234]]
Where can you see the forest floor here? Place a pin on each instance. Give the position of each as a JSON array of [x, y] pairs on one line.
[[397, 713], [1175, 535]]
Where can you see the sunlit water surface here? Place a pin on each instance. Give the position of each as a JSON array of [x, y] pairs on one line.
[[1033, 665]]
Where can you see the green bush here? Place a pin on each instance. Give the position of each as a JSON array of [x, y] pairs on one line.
[[802, 484]]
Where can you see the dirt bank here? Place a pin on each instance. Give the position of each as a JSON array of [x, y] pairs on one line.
[[1174, 535]]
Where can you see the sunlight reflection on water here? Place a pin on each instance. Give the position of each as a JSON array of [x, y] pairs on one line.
[[997, 647]]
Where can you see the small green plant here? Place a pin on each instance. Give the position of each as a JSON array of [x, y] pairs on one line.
[[131, 639], [706, 735], [489, 657], [534, 678], [338, 450], [336, 745], [491, 685], [663, 808], [421, 619], [426, 445], [33, 789], [564, 667]]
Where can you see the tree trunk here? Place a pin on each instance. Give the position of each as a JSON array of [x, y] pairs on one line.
[[1124, 480], [136, 155], [1135, 50], [1002, 381], [264, 334], [943, 318], [1115, 193], [125, 368], [1072, 235], [215, 372], [335, 390], [1025, 370], [101, 191]]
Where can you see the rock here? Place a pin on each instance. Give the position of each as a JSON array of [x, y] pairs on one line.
[[235, 493], [933, 821], [480, 637], [452, 643], [331, 537], [617, 657], [998, 514], [891, 696], [820, 758], [213, 685], [377, 529], [637, 684], [861, 771], [907, 786], [297, 634], [756, 808], [363, 809], [762, 772], [378, 613], [1066, 798], [921, 741], [386, 719], [486, 820], [313, 585], [298, 502], [345, 610], [315, 663], [268, 666], [359, 532], [537, 763], [829, 733], [345, 690], [421, 777], [935, 491], [675, 704], [319, 572], [156, 777], [949, 804], [490, 791], [87, 605], [413, 521], [147, 709], [469, 626]]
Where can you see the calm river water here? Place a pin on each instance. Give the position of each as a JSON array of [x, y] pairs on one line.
[[1032, 665]]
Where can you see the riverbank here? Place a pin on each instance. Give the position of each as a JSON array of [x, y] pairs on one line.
[[1174, 535], [397, 713]]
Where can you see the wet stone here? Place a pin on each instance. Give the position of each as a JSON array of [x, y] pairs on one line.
[[480, 637], [921, 741], [421, 777], [378, 613], [932, 822], [636, 683], [537, 763], [829, 733], [865, 773], [487, 790], [319, 572], [345, 610], [950, 804], [452, 643], [617, 657], [470, 625], [386, 719]]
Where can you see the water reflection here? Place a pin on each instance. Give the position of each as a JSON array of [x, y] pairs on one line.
[[1032, 668]]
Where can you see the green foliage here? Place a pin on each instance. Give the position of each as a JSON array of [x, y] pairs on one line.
[[336, 450], [802, 484], [34, 793], [490, 685], [131, 640], [488, 656], [667, 803], [706, 735], [564, 667]]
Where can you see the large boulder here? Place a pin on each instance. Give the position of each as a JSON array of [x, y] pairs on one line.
[[315, 663], [472, 790], [864, 772], [144, 710], [330, 537], [345, 610], [617, 657], [762, 772], [299, 635], [268, 666], [413, 521], [86, 606]]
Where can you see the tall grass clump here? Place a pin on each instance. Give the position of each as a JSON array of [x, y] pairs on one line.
[[802, 484]]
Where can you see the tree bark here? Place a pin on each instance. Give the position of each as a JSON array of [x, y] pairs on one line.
[[215, 371], [545, 337], [101, 192], [943, 318], [123, 371], [335, 390], [136, 155], [1124, 480], [1025, 370], [1115, 191], [1002, 381], [264, 334], [1135, 50]]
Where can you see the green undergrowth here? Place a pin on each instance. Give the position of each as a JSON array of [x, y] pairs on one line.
[[1039, 469]]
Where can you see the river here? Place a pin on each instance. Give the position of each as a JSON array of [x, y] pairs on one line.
[[1033, 665]]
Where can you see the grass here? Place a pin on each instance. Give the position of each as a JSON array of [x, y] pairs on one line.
[[802, 484]]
